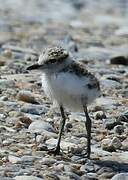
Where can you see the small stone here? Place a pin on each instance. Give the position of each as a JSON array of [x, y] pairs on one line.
[[72, 175], [107, 83], [59, 167], [23, 121], [85, 177], [92, 175], [119, 129], [3, 98], [48, 161], [40, 126], [51, 176], [30, 57], [68, 126], [111, 145], [125, 144], [107, 175], [7, 53], [89, 167], [110, 123], [2, 62], [123, 31], [116, 143], [123, 117], [119, 60], [34, 109], [14, 159], [27, 178], [4, 83], [99, 115], [120, 176], [76, 150], [106, 145], [105, 172], [1, 162], [29, 160], [26, 96]]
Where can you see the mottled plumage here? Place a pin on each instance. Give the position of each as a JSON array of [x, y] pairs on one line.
[[68, 84]]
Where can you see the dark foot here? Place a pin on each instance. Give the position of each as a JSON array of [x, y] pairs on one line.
[[55, 151]]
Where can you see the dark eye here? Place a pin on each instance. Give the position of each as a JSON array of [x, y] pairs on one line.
[[53, 60]]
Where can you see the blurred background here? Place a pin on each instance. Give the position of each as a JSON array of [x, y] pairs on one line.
[[35, 19]]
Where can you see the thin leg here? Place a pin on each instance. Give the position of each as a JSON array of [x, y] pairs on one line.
[[88, 128], [62, 123]]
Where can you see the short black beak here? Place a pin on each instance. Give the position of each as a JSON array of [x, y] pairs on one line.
[[34, 66]]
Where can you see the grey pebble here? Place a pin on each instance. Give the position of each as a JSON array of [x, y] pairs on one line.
[[27, 178], [110, 123], [120, 176], [111, 144], [119, 129], [119, 60], [4, 83], [33, 109], [72, 175], [110, 83], [123, 117], [29, 158], [40, 126], [48, 161]]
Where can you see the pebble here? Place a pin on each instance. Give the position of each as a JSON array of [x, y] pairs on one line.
[[27, 178], [125, 144], [120, 176], [111, 144], [99, 115], [59, 167], [88, 167], [110, 123], [7, 53], [123, 31], [51, 176], [92, 175], [40, 127], [104, 169], [72, 175], [110, 83], [26, 96], [14, 159], [34, 109], [116, 143], [22, 121], [119, 60], [48, 161], [123, 117], [28, 159], [6, 84], [2, 62], [119, 129]]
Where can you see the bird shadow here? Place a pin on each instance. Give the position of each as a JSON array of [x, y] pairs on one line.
[[114, 165]]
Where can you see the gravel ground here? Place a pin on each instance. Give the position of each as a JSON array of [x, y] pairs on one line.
[[97, 35]]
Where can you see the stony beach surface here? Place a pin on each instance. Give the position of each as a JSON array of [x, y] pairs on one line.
[[97, 35]]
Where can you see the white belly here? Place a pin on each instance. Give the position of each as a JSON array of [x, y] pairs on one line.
[[68, 89]]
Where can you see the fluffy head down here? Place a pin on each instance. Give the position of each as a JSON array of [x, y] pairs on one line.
[[53, 55]]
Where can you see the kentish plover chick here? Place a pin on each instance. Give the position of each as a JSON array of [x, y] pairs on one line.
[[68, 84]]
